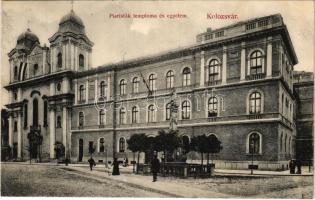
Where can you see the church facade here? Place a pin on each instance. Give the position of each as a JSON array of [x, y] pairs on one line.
[[236, 82]]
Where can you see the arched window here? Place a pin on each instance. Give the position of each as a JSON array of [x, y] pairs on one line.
[[186, 76], [168, 111], [214, 68], [59, 121], [212, 107], [255, 103], [151, 113], [185, 110], [122, 116], [81, 93], [81, 119], [35, 112], [122, 87], [81, 61], [152, 79], [59, 60], [102, 117], [135, 85], [281, 143], [254, 142], [45, 113], [103, 87], [122, 145], [170, 79], [15, 73], [25, 115], [256, 60], [134, 116], [101, 145]]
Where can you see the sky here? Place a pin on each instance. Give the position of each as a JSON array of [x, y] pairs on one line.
[[116, 39]]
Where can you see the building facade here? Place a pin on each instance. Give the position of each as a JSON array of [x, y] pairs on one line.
[[236, 82]]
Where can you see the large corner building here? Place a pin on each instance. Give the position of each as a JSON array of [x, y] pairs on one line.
[[236, 82]]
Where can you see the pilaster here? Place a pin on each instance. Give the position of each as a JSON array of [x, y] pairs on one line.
[[269, 57], [224, 61], [202, 68], [243, 62]]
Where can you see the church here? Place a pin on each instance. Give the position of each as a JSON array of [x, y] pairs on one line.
[[235, 82]]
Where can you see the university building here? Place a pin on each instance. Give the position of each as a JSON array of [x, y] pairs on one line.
[[236, 82]]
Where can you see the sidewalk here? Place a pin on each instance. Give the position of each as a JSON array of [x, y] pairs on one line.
[[162, 186]]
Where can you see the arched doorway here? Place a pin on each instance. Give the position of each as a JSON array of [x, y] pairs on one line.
[[80, 150]]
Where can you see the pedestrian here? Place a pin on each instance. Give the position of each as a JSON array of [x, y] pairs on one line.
[[298, 165], [155, 167], [292, 166], [92, 163], [116, 167]]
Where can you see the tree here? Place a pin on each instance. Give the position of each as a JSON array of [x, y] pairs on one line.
[[137, 143], [167, 142], [200, 144], [214, 144]]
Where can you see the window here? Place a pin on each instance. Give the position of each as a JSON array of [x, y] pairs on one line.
[[250, 26], [81, 61], [59, 60], [254, 143], [219, 34], [135, 85], [212, 107], [122, 87], [122, 145], [168, 111], [101, 145], [122, 116], [35, 69], [213, 70], [151, 113], [58, 86], [58, 121], [281, 143], [45, 113], [81, 119], [170, 79], [186, 76], [81, 93], [35, 112], [15, 72], [102, 117], [285, 144], [103, 87], [91, 147], [25, 115], [134, 117], [255, 103], [256, 60], [15, 126], [152, 79], [185, 110]]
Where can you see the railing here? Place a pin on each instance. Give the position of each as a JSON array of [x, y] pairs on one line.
[[256, 76], [254, 116], [214, 82]]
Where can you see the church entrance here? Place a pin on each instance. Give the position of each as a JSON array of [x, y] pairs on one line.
[[80, 150]]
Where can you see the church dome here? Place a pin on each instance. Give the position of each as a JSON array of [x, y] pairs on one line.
[[71, 23], [28, 35]]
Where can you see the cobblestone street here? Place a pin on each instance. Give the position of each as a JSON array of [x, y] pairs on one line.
[[49, 180]]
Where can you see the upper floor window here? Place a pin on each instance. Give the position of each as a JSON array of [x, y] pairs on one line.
[[170, 79], [214, 68], [81, 119], [59, 60], [58, 121], [122, 116], [103, 87], [168, 111], [15, 72], [122, 145], [101, 145], [186, 110], [256, 62], [135, 112], [186, 76], [255, 103], [122, 87], [254, 143], [135, 85], [152, 80], [151, 113], [102, 117], [81, 93], [81, 61], [212, 107]]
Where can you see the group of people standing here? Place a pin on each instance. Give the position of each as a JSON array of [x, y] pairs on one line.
[[155, 166], [295, 164]]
